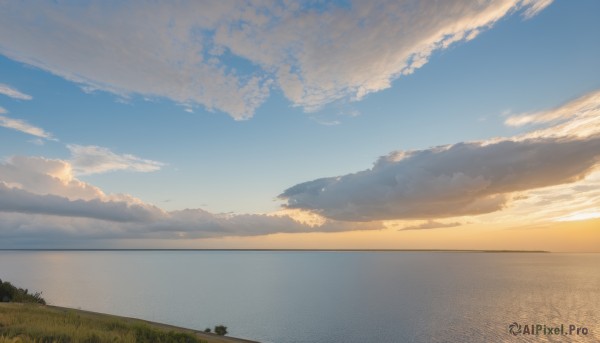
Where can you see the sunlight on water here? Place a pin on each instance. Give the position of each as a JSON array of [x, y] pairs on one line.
[[328, 296]]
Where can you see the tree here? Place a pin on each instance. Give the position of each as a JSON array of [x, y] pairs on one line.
[[221, 330]]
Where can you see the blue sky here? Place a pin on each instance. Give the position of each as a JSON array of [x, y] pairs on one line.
[[227, 105]]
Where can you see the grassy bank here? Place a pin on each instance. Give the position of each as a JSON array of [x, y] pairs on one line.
[[37, 323]]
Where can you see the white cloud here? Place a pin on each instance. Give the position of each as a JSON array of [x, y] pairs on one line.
[[465, 178], [37, 185], [184, 50], [13, 93], [461, 179], [43, 176], [94, 159], [84, 159], [23, 126]]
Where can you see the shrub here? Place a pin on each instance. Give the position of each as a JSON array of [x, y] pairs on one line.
[[221, 330]]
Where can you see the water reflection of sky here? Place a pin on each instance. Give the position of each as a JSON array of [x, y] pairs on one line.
[[327, 296]]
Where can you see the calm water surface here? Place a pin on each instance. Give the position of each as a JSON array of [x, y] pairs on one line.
[[326, 296]]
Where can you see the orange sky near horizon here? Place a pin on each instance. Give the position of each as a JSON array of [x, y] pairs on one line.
[[573, 236]]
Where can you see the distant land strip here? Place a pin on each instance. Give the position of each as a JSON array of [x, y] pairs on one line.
[[297, 250]]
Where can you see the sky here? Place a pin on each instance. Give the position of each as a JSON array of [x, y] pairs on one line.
[[283, 124]]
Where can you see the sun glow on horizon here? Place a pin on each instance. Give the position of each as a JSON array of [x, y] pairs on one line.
[[578, 216]]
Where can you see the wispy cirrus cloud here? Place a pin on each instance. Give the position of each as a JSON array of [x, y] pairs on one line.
[[468, 178], [93, 159], [430, 224], [23, 126], [314, 54], [89, 159], [13, 93], [579, 117]]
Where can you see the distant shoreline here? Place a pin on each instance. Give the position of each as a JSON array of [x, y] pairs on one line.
[[301, 250]]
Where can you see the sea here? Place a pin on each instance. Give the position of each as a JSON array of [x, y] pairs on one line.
[[330, 296]]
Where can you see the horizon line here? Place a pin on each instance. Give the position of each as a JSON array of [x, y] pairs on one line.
[[282, 250]]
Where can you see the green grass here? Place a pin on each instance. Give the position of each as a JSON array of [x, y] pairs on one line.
[[42, 324]]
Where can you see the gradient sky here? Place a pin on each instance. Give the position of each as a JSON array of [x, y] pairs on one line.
[[260, 124]]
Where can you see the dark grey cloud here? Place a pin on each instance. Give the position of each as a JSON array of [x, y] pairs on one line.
[[55, 227], [18, 200], [199, 223], [455, 180]]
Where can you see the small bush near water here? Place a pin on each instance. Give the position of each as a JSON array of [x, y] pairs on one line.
[[221, 330]]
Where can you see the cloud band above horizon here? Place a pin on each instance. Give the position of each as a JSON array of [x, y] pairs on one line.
[[42, 198]]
